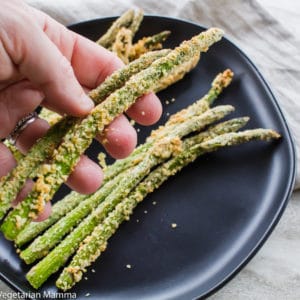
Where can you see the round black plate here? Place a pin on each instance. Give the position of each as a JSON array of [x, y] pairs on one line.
[[225, 204]]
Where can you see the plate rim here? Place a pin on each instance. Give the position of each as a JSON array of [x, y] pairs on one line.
[[291, 147]]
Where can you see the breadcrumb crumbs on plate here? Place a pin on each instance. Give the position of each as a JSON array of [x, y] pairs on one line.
[[93, 271], [173, 225], [128, 266], [145, 211], [167, 102], [154, 202], [85, 278], [137, 220], [138, 130], [173, 100], [87, 294]]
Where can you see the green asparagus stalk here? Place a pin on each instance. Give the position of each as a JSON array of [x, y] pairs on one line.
[[62, 207], [125, 20], [232, 125], [50, 238], [221, 81], [80, 137], [122, 44], [11, 184], [59, 209], [178, 74], [50, 116], [59, 255], [96, 243], [136, 22], [14, 150], [147, 44], [44, 243]]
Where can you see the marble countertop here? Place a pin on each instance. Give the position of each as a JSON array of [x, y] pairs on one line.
[[274, 273]]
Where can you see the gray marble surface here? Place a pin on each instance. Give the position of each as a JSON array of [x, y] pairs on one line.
[[274, 273]]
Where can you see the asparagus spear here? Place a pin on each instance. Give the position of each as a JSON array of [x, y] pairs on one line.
[[59, 255], [96, 243], [149, 43], [67, 204], [125, 20], [12, 183], [80, 137], [178, 74], [50, 116], [122, 44], [221, 81], [49, 239], [59, 209], [136, 22], [42, 244], [14, 150]]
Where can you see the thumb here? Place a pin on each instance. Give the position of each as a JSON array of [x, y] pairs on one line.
[[39, 60]]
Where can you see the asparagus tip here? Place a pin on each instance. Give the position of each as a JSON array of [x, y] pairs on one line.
[[222, 80]]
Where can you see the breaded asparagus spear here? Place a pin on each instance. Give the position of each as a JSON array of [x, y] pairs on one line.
[[221, 81], [147, 44], [122, 44], [178, 74], [59, 255], [11, 184], [50, 238], [136, 22], [59, 209], [125, 20], [96, 243], [14, 150], [50, 116], [45, 242], [77, 140]]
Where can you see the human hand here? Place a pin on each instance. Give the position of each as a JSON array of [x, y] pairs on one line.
[[43, 63]]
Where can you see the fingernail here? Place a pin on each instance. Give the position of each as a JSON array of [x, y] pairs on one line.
[[87, 103]]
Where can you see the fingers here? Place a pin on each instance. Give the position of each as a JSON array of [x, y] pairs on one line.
[[87, 176], [119, 138], [44, 214], [7, 161], [91, 62], [31, 134], [98, 62], [17, 101], [147, 110], [39, 60], [24, 192]]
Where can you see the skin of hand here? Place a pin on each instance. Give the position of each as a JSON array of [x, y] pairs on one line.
[[44, 63]]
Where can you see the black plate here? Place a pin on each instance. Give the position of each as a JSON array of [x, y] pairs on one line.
[[225, 204]]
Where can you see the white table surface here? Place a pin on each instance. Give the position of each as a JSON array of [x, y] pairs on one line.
[[274, 273]]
